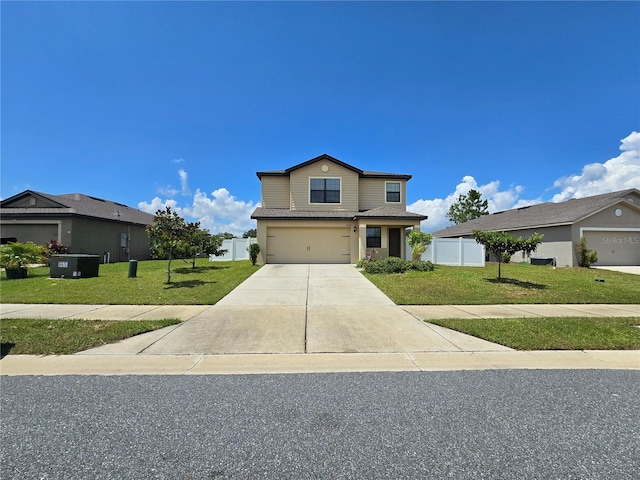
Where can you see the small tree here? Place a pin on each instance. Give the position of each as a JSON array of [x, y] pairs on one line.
[[502, 243], [201, 242], [468, 207], [419, 241], [168, 236], [254, 250], [585, 256], [252, 233]]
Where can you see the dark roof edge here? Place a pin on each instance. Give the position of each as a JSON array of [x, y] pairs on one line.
[[329, 158]]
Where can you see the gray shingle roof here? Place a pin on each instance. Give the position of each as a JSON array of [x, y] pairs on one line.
[[325, 157], [543, 214], [76, 204], [261, 213]]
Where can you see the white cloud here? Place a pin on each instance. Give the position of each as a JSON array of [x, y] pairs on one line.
[[168, 191], [156, 204], [183, 183], [221, 212], [618, 173], [177, 160], [437, 208]]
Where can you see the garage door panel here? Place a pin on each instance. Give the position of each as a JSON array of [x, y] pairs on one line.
[[308, 245], [615, 248]]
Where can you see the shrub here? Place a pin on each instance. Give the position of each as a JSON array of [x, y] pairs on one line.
[[397, 265], [363, 263], [254, 250], [419, 241], [18, 256], [585, 256], [55, 248], [386, 265], [421, 266]]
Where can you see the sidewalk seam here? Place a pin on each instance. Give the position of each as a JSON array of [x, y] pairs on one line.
[[201, 357], [157, 340]]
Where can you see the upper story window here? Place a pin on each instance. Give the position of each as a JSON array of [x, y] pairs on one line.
[[393, 192], [324, 190]]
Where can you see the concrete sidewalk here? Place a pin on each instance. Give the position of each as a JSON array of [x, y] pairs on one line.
[[305, 318]]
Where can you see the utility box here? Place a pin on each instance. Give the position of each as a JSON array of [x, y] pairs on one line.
[[543, 261], [74, 266]]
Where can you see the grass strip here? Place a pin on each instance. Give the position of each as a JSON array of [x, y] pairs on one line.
[[521, 283], [37, 336], [552, 333]]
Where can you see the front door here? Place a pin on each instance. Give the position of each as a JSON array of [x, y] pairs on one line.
[[394, 243]]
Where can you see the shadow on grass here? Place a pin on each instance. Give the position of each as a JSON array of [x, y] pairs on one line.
[[517, 283], [198, 269], [5, 348], [187, 284]]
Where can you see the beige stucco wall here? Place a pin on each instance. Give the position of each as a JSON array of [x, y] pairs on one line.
[[275, 192], [300, 187], [372, 194], [357, 235]]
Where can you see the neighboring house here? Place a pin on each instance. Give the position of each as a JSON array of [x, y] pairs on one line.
[[326, 211], [610, 223], [85, 224]]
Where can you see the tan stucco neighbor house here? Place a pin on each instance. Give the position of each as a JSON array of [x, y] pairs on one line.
[[610, 222], [86, 224], [327, 211]]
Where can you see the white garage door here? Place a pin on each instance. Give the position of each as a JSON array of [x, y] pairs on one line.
[[616, 247], [308, 245]]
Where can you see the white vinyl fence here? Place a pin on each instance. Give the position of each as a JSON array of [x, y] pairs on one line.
[[236, 249], [464, 252]]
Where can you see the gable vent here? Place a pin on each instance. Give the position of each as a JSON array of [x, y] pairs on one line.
[[32, 201]]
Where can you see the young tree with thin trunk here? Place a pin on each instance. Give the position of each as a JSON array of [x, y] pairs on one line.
[[168, 236], [501, 243]]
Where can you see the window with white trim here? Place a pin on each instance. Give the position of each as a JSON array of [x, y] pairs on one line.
[[392, 192], [324, 190]]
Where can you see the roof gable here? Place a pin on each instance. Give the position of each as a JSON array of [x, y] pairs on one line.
[[31, 199], [72, 204], [328, 158]]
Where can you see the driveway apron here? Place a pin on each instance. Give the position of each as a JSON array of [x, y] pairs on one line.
[[308, 309]]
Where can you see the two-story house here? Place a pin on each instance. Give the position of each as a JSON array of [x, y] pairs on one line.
[[327, 211]]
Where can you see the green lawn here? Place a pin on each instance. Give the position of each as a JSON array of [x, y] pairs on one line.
[[521, 283], [204, 285], [35, 336], [553, 333]]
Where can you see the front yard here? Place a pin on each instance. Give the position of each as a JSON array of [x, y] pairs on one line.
[[204, 285], [521, 283]]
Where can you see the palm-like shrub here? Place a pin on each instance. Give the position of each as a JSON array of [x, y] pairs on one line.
[[18, 256]]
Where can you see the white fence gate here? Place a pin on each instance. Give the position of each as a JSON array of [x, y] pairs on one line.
[[464, 252], [236, 249]]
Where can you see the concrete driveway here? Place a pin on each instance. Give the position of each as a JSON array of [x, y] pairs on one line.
[[301, 309]]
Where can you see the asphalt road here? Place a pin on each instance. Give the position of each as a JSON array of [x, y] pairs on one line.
[[551, 424]]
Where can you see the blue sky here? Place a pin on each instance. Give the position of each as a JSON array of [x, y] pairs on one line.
[[180, 103]]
